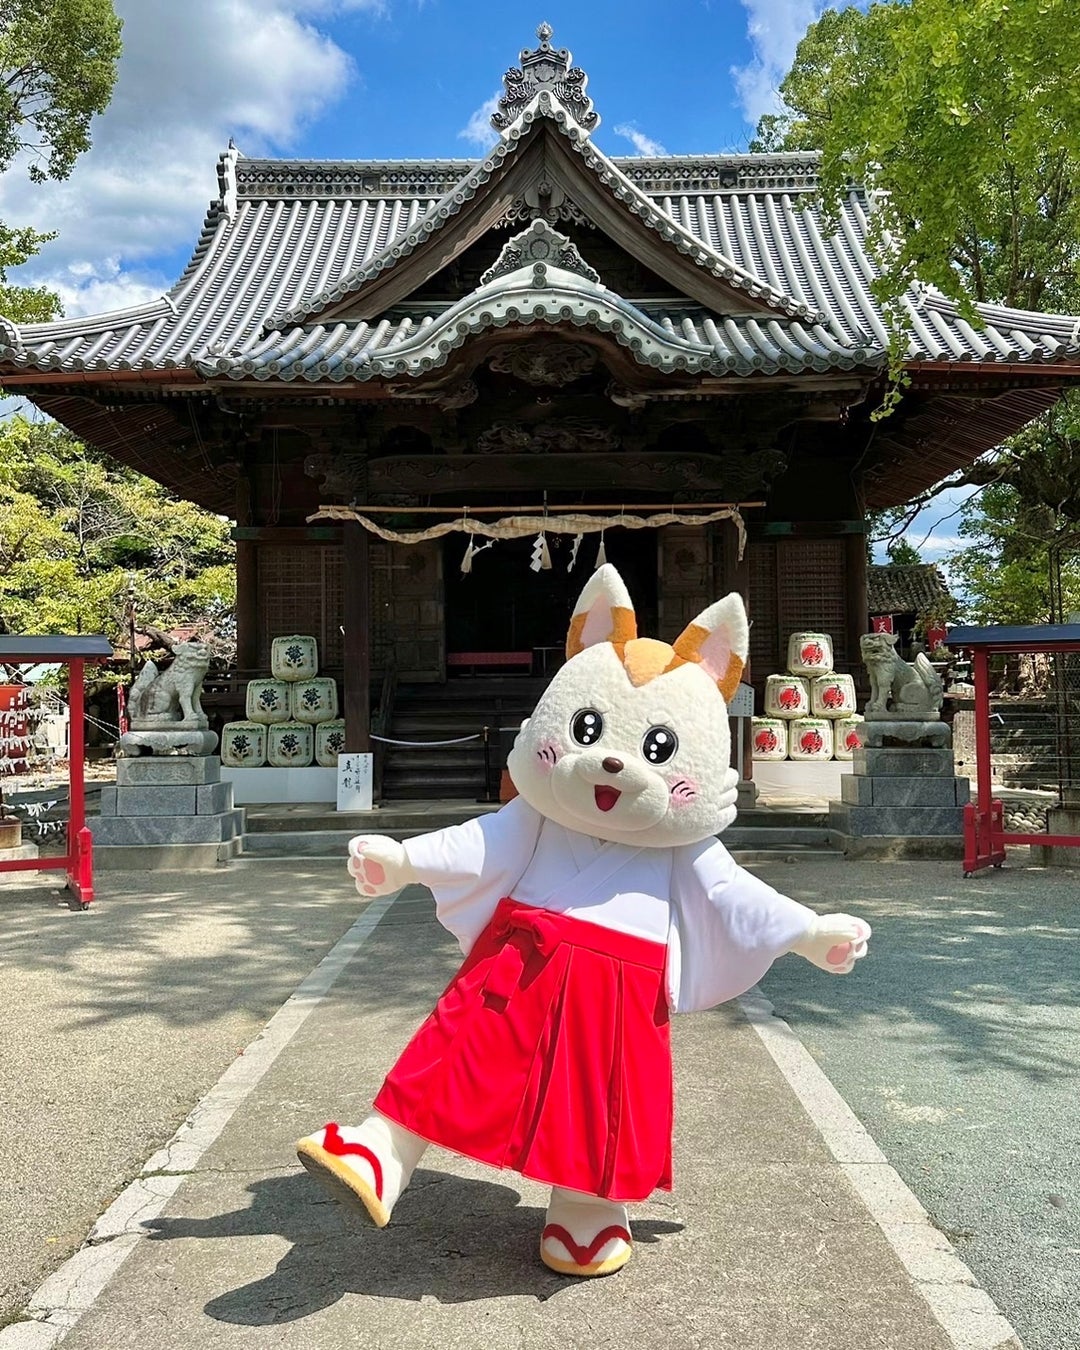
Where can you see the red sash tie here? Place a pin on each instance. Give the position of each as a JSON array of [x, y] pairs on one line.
[[525, 933]]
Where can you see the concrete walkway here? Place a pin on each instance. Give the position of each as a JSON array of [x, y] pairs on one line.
[[784, 1231]]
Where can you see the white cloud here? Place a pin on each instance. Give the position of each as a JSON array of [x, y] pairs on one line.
[[643, 144], [478, 130], [191, 76], [775, 28]]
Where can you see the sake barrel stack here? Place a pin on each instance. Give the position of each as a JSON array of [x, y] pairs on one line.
[[810, 738], [849, 735], [832, 696], [787, 696], [810, 654], [768, 739]]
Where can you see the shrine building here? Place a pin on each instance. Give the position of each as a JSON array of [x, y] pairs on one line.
[[364, 350]]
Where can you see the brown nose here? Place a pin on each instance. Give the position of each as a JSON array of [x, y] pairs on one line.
[[612, 765]]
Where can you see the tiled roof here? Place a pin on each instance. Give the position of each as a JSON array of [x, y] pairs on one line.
[[288, 239], [905, 588]]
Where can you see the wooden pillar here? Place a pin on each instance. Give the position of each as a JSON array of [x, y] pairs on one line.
[[857, 613], [247, 605], [357, 597], [736, 577]]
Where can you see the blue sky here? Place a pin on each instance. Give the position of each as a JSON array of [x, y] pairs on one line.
[[357, 79], [369, 79]]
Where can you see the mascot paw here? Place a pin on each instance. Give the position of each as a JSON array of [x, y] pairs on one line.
[[835, 943], [379, 865]]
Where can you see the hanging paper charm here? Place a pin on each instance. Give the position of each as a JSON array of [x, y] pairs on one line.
[[471, 552], [574, 552], [541, 557], [601, 557]]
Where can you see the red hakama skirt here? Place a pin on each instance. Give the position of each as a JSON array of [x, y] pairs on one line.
[[549, 1053]]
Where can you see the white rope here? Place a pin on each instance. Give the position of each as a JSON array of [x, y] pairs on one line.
[[423, 745], [518, 527]]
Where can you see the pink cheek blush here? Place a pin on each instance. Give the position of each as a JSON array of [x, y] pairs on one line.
[[547, 756], [684, 792]]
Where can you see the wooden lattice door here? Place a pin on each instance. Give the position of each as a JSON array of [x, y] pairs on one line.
[[300, 591], [408, 610], [686, 580]]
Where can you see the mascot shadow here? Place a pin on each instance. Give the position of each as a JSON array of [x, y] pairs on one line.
[[454, 1239]]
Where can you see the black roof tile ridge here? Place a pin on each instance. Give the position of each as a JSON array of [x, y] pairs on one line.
[[452, 201]]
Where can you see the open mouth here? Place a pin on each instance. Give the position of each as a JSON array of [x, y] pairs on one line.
[[606, 797]]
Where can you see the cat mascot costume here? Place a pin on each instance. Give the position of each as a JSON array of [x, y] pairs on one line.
[[589, 909]]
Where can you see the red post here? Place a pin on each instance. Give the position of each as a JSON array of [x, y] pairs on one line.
[[982, 731], [79, 860]]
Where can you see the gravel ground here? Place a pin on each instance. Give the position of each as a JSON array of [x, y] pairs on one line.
[[117, 1020], [957, 1043]]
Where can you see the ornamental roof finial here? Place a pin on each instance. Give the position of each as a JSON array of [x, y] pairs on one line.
[[547, 69]]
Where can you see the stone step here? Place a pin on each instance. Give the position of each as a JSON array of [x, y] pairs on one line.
[[771, 845], [417, 787], [420, 818]]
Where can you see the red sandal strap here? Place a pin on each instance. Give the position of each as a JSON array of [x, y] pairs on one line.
[[341, 1148], [583, 1256]]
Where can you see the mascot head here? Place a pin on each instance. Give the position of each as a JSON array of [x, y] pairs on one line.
[[630, 741]]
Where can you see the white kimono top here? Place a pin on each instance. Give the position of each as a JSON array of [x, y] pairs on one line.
[[722, 926]]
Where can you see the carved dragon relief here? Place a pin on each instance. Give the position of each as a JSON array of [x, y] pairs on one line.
[[724, 476], [343, 477], [545, 362], [567, 436]]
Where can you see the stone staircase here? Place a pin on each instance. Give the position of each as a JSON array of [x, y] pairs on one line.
[[426, 789], [447, 712], [307, 832]]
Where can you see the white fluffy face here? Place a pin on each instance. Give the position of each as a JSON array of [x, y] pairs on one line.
[[646, 765]]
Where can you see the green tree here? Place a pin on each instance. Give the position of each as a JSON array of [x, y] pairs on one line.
[[902, 553], [58, 61], [81, 535], [963, 120], [1013, 571]]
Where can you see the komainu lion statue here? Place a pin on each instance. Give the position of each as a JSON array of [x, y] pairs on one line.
[[170, 699], [897, 688]]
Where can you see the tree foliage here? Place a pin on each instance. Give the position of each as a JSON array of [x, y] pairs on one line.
[[1011, 569], [963, 120], [58, 61], [80, 535]]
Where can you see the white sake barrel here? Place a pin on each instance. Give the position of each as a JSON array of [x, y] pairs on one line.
[[810, 738], [832, 696], [787, 696], [267, 701], [809, 654], [849, 734], [294, 658], [290, 745], [768, 738], [329, 742], [313, 700], [243, 745]]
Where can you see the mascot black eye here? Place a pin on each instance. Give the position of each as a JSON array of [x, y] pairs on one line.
[[659, 745], [587, 726]]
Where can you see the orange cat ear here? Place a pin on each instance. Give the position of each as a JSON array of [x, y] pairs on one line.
[[718, 640], [604, 613]]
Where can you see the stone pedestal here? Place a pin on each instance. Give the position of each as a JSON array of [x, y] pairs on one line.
[[746, 795], [1059, 820], [902, 799], [167, 812]]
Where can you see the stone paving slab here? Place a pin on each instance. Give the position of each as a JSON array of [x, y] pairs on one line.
[[763, 1245]]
